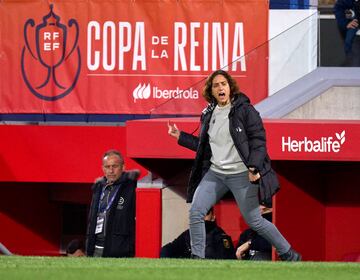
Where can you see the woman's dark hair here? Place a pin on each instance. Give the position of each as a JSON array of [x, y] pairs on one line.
[[207, 93]]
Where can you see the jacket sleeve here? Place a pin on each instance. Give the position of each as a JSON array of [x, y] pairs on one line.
[[188, 140], [256, 136], [133, 174], [339, 11], [244, 237], [89, 241]]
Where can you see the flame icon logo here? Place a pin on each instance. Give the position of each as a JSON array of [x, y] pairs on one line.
[[142, 92]]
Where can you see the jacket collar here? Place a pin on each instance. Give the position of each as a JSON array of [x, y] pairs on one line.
[[236, 101], [239, 99], [209, 108], [102, 181]]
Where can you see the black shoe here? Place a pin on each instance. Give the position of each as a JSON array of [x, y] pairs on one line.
[[291, 256]]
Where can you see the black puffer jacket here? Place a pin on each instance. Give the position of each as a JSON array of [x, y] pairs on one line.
[[248, 134]]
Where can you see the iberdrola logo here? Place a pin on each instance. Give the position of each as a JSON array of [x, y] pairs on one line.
[[50, 58]]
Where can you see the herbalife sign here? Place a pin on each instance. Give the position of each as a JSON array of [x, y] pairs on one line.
[[326, 144]]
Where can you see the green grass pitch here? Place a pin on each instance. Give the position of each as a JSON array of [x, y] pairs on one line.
[[37, 268]]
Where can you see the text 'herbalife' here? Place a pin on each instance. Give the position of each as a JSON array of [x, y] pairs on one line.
[[322, 145], [146, 91]]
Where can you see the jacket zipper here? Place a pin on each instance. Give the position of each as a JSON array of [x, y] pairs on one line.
[[233, 138]]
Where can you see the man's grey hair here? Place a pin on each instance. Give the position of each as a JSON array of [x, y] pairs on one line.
[[114, 152]]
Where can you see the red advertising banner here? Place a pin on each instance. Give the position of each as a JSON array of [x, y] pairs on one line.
[[127, 57], [325, 140], [322, 140]]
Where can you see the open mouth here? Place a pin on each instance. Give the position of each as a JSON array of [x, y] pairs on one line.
[[221, 94]]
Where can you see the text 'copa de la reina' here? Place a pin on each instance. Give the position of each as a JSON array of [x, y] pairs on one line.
[[190, 46]]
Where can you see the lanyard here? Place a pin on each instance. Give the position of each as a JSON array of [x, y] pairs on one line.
[[105, 209]]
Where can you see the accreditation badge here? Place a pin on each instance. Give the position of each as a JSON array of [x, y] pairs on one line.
[[99, 224]]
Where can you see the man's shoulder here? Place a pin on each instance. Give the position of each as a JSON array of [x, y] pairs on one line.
[[216, 229], [132, 174], [218, 233], [129, 179], [98, 182]]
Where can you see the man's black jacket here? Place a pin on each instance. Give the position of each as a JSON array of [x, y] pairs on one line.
[[120, 227]]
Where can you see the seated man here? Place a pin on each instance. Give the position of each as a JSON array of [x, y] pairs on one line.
[[347, 14], [219, 245], [252, 246]]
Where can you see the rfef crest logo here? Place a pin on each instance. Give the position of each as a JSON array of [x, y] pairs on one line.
[[50, 59]]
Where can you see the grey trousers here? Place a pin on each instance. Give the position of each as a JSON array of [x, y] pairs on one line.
[[210, 190]]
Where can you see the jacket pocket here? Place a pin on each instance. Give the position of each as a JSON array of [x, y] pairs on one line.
[[122, 223], [120, 246]]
